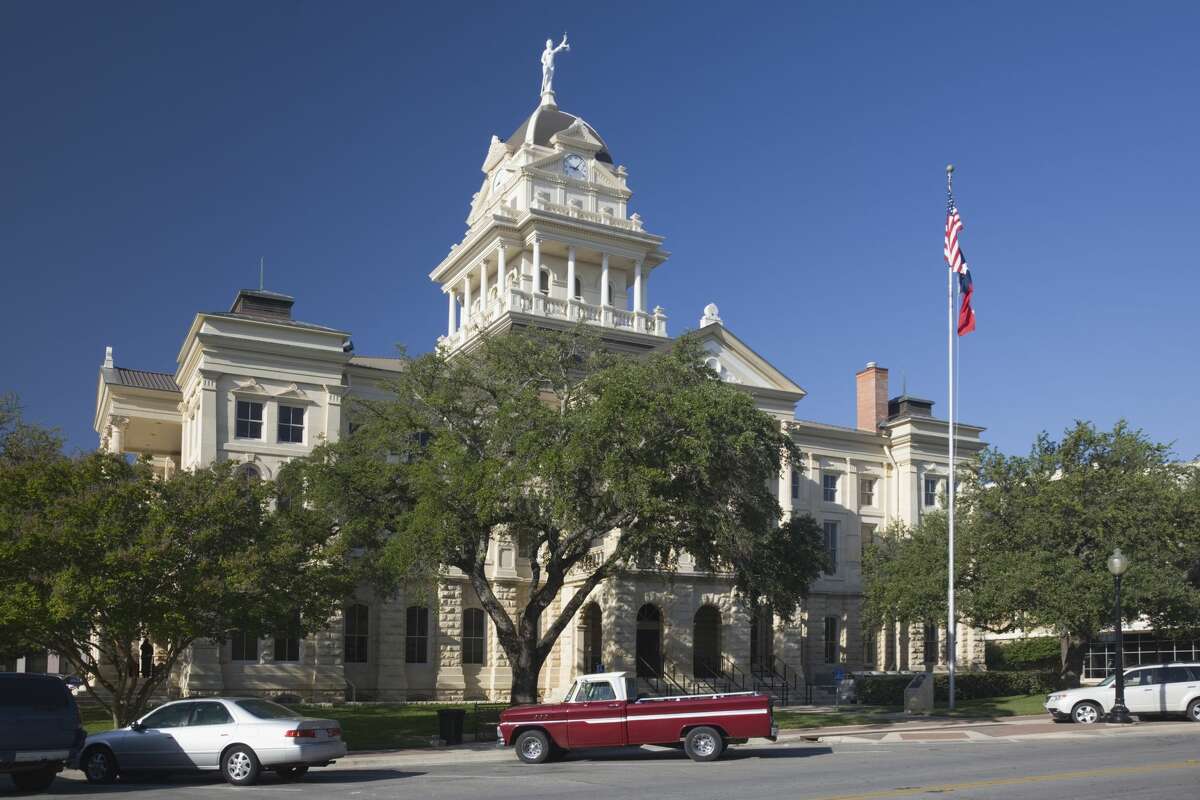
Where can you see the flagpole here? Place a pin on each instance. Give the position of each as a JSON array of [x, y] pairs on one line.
[[951, 644]]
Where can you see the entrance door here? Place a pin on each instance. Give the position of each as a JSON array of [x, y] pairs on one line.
[[762, 639], [596, 718], [706, 647], [649, 642]]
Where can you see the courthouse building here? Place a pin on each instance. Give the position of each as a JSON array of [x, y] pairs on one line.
[[551, 241]]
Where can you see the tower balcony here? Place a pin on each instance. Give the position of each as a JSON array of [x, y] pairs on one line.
[[482, 316]]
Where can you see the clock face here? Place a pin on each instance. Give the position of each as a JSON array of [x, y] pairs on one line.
[[498, 180], [575, 167]]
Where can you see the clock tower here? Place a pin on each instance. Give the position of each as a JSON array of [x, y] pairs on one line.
[[550, 241]]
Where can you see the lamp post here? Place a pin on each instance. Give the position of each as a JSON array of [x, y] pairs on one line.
[[1117, 565]]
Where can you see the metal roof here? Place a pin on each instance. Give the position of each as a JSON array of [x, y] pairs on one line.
[[141, 379]]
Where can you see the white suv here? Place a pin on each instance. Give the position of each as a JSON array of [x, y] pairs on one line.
[[1157, 689]]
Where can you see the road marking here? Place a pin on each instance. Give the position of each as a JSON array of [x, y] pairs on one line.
[[909, 791]]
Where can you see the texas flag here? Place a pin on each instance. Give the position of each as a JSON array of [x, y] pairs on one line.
[[957, 261]]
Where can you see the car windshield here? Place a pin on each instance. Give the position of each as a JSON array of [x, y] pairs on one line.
[[1109, 680], [265, 709]]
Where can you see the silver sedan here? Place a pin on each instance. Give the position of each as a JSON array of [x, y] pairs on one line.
[[239, 736]]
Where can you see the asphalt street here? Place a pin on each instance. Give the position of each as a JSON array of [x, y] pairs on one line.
[[1149, 765]]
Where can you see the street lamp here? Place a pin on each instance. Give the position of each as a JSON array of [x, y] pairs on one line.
[[1118, 564]]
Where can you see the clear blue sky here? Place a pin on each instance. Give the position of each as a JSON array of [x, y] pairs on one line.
[[792, 156]]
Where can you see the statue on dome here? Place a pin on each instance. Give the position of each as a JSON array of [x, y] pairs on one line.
[[548, 63]]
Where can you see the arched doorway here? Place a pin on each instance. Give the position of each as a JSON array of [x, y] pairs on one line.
[[706, 642], [592, 634], [762, 638], [146, 667], [649, 641]]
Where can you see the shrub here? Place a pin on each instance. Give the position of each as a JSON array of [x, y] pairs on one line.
[[888, 690], [1036, 653]]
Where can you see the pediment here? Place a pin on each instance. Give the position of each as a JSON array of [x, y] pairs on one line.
[[735, 362], [249, 386], [293, 392], [577, 135]]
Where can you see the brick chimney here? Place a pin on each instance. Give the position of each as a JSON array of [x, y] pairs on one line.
[[872, 384]]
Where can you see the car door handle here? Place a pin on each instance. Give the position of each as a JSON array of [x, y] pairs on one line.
[[614, 705]]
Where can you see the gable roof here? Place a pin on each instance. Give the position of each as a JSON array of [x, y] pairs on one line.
[[770, 377]]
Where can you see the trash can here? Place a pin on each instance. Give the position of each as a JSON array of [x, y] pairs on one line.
[[450, 724]]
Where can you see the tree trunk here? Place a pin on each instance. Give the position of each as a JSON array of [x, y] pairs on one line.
[[1074, 647], [524, 684]]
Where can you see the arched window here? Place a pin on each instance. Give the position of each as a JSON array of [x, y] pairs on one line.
[[249, 472], [545, 289], [474, 624], [355, 631], [416, 635], [592, 631]]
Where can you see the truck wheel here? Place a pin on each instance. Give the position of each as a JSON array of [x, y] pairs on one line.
[[533, 747], [98, 765], [703, 744], [35, 780]]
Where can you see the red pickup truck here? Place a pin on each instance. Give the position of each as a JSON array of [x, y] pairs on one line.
[[597, 712]]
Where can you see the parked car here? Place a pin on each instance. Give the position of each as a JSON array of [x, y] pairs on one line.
[[40, 728], [597, 712], [1158, 689], [240, 736]]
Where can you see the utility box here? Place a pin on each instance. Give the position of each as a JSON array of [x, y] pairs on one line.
[[918, 695]]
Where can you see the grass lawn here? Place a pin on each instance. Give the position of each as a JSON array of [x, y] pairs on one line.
[[889, 715]]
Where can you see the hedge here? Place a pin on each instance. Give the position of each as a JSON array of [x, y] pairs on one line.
[[888, 690], [1035, 653]]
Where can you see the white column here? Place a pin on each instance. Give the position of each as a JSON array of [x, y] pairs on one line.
[[604, 298], [450, 313], [501, 269], [570, 272], [466, 312], [116, 437], [637, 286], [483, 287], [537, 265]]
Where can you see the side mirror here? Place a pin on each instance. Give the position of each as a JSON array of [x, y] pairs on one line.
[[137, 726]]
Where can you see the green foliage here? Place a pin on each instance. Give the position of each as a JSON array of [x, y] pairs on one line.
[[548, 441], [888, 690], [904, 572], [99, 555], [1033, 653], [1040, 528]]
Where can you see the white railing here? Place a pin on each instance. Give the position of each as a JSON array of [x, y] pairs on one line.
[[575, 212], [539, 305]]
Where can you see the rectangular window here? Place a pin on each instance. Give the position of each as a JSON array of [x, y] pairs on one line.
[[243, 646], [931, 492], [832, 645], [249, 420], [831, 545], [868, 536], [931, 643], [355, 634], [291, 424], [473, 636], [287, 641], [795, 484], [416, 635], [829, 488], [870, 648], [866, 492]]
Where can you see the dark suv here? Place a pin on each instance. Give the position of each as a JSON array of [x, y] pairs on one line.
[[40, 728]]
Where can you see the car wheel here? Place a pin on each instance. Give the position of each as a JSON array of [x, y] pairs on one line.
[[98, 764], [1086, 713], [1193, 710], [240, 766], [703, 744], [533, 747], [291, 773], [35, 780]]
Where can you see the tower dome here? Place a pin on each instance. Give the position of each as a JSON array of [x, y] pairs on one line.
[[546, 121]]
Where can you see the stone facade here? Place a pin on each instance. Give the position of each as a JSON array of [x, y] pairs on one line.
[[550, 242]]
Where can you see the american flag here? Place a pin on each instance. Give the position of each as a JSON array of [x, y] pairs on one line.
[[957, 262]]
